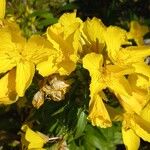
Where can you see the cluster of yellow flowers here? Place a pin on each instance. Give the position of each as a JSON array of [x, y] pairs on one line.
[[106, 52]]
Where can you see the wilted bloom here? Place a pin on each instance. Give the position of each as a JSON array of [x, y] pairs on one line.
[[55, 87], [65, 39], [38, 99], [137, 31]]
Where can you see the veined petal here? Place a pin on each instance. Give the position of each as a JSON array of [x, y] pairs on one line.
[[24, 75], [98, 114], [36, 49], [8, 93], [130, 139], [2, 8]]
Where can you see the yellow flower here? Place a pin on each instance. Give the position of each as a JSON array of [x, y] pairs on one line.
[[137, 31], [93, 37], [65, 40], [130, 58], [23, 55], [2, 8], [108, 76], [32, 140]]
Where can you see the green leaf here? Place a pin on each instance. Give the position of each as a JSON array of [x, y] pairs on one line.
[[81, 124]]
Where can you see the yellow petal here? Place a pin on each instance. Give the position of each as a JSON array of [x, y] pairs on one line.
[[130, 139], [137, 31], [8, 93], [93, 62], [67, 48], [2, 8], [69, 18], [36, 49], [136, 53], [141, 127], [6, 63], [48, 67], [90, 28], [7, 52], [119, 85], [145, 113], [142, 68], [98, 114], [94, 41], [34, 139], [24, 75], [138, 81], [114, 42], [136, 101]]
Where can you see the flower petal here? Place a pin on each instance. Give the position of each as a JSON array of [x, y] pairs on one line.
[[98, 114], [142, 68], [48, 67], [24, 75], [34, 139], [8, 93], [114, 42], [93, 62], [2, 8], [130, 139], [141, 127], [36, 49], [137, 31]]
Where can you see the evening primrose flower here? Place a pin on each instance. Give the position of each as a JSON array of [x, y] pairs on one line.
[[103, 77], [137, 31], [22, 55], [130, 58], [65, 39], [32, 140]]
